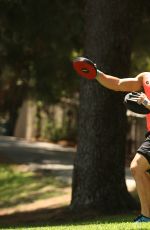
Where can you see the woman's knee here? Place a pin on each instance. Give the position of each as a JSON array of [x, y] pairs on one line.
[[138, 165], [134, 167]]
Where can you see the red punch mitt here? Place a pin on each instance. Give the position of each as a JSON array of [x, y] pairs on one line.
[[85, 67]]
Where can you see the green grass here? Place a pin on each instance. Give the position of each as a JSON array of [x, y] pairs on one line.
[[23, 187], [115, 223], [18, 187]]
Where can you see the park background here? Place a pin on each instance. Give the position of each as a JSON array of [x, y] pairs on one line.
[[50, 119]]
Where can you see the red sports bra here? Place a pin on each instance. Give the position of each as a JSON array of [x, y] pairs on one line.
[[146, 86]]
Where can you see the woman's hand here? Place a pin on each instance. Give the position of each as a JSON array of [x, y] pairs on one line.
[[142, 99]]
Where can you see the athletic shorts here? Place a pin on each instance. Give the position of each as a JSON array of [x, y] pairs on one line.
[[144, 149]]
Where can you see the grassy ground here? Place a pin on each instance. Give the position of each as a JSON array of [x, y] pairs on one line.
[[20, 186], [108, 223]]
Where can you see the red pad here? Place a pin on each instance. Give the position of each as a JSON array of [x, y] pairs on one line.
[[85, 67]]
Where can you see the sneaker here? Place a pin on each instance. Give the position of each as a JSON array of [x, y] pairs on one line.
[[137, 218], [142, 218]]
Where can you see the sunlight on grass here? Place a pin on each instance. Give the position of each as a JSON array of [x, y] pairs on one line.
[[96, 226], [114, 226], [116, 222], [25, 187]]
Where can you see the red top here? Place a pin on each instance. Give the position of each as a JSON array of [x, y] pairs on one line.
[[146, 86]]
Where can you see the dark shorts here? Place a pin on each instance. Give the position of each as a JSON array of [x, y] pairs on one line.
[[144, 149]]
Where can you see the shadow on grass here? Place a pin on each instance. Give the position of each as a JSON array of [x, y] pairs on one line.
[[61, 216], [26, 187]]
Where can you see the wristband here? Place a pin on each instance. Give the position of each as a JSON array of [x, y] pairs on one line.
[[145, 102]]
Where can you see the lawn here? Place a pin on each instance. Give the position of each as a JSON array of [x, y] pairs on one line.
[[23, 187], [110, 223], [19, 186]]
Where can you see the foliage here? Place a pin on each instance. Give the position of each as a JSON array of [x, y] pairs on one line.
[[34, 46], [37, 41], [57, 134], [140, 60], [65, 131]]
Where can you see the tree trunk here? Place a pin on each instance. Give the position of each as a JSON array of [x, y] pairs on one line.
[[99, 175]]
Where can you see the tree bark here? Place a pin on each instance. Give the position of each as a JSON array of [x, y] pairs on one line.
[[99, 168]]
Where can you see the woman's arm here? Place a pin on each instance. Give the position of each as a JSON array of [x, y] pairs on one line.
[[117, 84]]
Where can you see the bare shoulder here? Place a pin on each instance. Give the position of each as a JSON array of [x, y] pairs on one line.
[[142, 75], [136, 83]]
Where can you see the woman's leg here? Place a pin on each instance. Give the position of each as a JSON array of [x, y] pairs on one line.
[[138, 167]]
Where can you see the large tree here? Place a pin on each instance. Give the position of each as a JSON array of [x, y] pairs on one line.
[[99, 175]]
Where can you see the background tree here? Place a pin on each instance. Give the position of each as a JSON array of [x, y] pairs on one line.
[[99, 175], [140, 59], [35, 54]]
